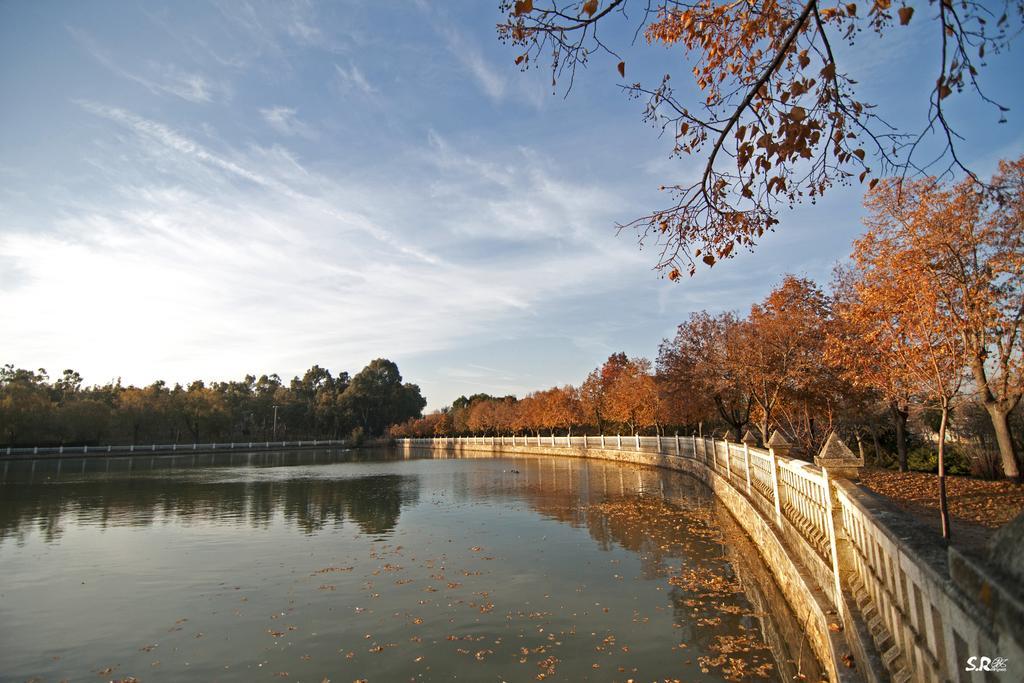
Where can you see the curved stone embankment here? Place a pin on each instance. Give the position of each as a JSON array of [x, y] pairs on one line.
[[883, 599], [807, 601]]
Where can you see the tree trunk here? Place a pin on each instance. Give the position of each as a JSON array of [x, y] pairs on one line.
[[763, 427], [1007, 447], [860, 444], [732, 417], [878, 447], [899, 417], [943, 507], [998, 410]]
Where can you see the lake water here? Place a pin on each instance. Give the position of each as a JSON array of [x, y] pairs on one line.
[[346, 566]]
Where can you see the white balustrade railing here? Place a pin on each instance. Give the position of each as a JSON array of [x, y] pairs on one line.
[[803, 495], [783, 488], [168, 448]]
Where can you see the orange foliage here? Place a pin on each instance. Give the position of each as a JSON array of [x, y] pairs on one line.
[[774, 116]]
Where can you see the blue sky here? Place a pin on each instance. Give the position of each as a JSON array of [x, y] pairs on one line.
[[210, 189]]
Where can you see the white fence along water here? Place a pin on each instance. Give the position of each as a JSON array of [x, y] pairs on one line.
[[167, 448]]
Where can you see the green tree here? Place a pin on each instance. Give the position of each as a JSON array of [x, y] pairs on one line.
[[377, 398]]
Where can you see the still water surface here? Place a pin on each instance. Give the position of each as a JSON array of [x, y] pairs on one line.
[[368, 565]]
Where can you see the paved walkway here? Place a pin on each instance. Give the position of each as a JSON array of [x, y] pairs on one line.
[[977, 507]]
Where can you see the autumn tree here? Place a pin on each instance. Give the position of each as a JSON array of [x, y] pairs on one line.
[[905, 317], [633, 396], [563, 403], [505, 415], [530, 413], [592, 400], [480, 419], [776, 117], [418, 427], [866, 367], [781, 345], [593, 393], [969, 246], [444, 426], [699, 370]]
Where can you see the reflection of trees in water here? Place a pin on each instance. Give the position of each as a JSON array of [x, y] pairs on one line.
[[674, 526], [573, 492], [373, 503]]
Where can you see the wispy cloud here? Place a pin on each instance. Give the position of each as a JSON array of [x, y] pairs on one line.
[[466, 51], [302, 31], [351, 77], [159, 79], [285, 121], [469, 54], [522, 198]]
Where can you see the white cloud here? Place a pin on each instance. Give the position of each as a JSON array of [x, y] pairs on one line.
[[352, 77], [304, 32], [524, 198], [471, 57], [159, 79], [213, 263], [466, 51], [285, 121]]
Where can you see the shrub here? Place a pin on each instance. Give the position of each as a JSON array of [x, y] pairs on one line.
[[984, 461], [925, 458]]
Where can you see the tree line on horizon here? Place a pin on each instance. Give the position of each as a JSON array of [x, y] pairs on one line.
[[38, 411], [918, 335]]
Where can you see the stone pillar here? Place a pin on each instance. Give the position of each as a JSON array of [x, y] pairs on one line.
[[728, 456], [777, 447], [748, 440], [778, 444], [746, 464], [837, 461]]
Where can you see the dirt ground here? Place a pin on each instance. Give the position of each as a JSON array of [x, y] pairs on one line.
[[977, 506]]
